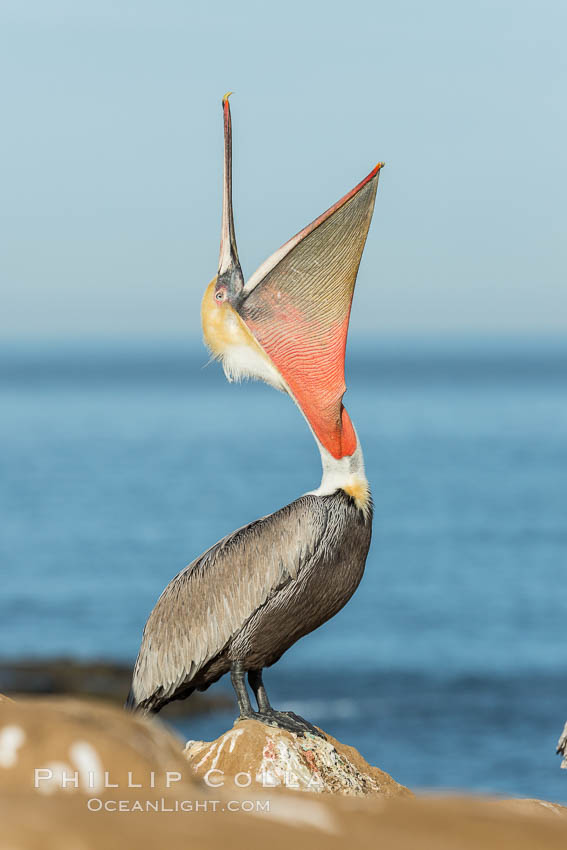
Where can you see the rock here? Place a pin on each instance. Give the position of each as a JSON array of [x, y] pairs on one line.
[[252, 754], [60, 745], [297, 820], [369, 810]]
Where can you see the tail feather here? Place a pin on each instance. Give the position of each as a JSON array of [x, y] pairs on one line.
[[131, 703]]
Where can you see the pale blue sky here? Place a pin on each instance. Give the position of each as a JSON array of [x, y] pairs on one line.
[[111, 150]]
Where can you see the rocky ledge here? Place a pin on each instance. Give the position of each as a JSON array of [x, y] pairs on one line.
[[252, 755], [78, 773]]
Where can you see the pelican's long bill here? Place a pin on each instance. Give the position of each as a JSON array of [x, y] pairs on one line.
[[288, 324], [229, 264]]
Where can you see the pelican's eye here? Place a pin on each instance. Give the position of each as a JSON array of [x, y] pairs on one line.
[[220, 295]]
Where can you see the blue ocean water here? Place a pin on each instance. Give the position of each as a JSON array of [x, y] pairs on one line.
[[120, 463]]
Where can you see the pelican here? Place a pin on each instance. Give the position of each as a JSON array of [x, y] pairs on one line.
[[241, 604]]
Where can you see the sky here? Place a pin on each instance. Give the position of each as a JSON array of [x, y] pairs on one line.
[[111, 158]]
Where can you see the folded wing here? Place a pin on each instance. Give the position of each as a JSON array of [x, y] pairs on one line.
[[211, 600]]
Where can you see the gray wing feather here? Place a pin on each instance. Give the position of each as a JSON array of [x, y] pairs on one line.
[[210, 600]]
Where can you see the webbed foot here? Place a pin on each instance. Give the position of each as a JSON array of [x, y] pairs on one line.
[[286, 720], [298, 722]]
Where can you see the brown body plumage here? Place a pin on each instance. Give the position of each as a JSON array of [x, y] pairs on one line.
[[251, 596]]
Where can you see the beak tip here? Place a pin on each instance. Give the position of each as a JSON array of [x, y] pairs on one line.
[[226, 97]]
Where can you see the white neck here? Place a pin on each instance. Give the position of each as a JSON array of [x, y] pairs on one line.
[[345, 473]]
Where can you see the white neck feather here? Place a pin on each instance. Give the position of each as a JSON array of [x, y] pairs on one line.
[[340, 473], [345, 473]]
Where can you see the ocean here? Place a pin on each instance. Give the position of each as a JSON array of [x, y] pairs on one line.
[[120, 463]]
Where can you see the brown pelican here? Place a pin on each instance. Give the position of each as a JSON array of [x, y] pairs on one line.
[[239, 606]]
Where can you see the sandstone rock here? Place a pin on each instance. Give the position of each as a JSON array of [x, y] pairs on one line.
[[59, 745], [295, 819], [372, 811], [252, 754]]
